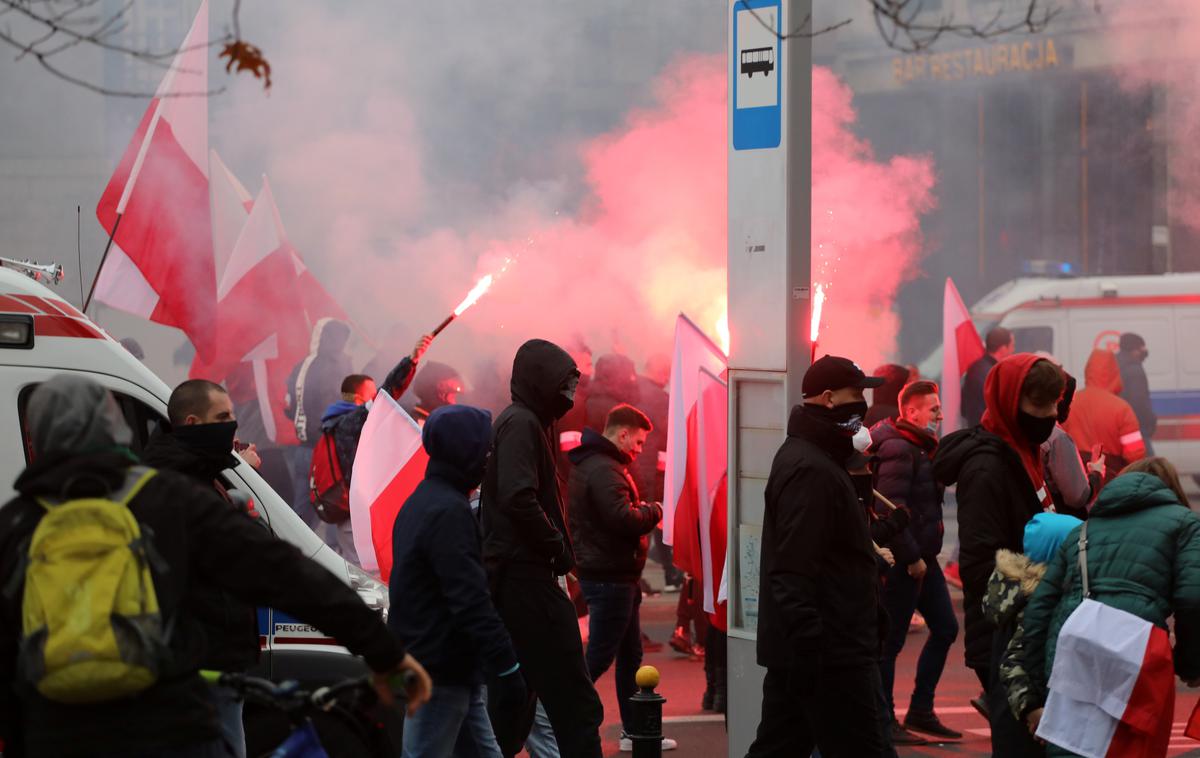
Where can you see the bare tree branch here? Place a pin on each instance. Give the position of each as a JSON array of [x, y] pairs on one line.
[[901, 28], [47, 28]]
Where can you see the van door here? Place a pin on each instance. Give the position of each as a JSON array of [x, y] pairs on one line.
[[1040, 329]]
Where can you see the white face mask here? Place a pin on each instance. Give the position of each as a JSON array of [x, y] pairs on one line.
[[862, 439], [933, 427]]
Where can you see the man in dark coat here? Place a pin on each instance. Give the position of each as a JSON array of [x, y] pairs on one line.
[[1135, 385], [448, 619], [79, 449], [905, 449], [526, 546], [999, 345], [1000, 474], [199, 444], [818, 607], [610, 525]]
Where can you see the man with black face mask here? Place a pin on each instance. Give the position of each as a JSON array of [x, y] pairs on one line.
[[1000, 473], [198, 442], [818, 622], [526, 547]]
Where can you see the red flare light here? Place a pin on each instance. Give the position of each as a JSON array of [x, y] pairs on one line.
[[482, 286]]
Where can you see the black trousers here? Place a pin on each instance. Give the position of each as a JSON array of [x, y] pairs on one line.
[[841, 715], [542, 623]]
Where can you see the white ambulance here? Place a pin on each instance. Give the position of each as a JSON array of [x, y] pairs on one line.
[[42, 335], [1069, 317]]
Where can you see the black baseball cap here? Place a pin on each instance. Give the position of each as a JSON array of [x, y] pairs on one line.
[[833, 373]]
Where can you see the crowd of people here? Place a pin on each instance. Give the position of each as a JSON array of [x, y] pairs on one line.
[[1062, 509], [569, 482], [487, 592]]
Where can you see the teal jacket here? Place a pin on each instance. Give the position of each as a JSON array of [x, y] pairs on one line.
[[1143, 557]]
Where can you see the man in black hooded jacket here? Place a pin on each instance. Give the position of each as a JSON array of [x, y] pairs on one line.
[[526, 546], [818, 622], [78, 448], [199, 444]]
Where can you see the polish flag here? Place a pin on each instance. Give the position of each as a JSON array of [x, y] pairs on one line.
[[961, 347], [260, 317], [156, 206], [694, 350], [1112, 690], [712, 427], [388, 466]]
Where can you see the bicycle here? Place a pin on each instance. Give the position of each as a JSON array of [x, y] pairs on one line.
[[342, 720]]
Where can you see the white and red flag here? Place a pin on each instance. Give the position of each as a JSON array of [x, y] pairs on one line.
[[1112, 690], [693, 350], [388, 466], [961, 346], [260, 316], [712, 426], [156, 206]]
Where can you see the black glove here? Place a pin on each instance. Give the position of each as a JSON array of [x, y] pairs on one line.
[[900, 518], [510, 692], [564, 561], [803, 678]]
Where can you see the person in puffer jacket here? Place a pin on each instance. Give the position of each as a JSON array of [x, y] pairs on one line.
[[1012, 583], [1143, 554]]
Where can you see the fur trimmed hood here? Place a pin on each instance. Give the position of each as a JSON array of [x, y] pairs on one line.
[[1017, 567], [1010, 586]]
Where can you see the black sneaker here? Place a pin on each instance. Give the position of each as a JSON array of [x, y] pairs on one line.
[[929, 723], [901, 736], [980, 705]]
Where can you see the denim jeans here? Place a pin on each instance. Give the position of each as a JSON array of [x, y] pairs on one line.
[[229, 719], [614, 632], [541, 743], [453, 723], [901, 596]]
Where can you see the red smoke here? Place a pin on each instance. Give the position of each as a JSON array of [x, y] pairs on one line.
[[648, 240]]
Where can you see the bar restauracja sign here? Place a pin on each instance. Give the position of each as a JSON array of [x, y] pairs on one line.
[[977, 62]]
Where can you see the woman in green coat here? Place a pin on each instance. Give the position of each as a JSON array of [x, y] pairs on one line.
[[1143, 557]]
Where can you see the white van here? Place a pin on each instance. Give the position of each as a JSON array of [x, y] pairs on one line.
[[42, 335], [1070, 317]]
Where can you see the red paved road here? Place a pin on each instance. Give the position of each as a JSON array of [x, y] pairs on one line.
[[702, 735]]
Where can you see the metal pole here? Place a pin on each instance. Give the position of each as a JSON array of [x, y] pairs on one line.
[[96, 277]]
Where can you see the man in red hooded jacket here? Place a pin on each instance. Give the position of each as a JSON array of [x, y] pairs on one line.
[[1001, 485], [1100, 417]]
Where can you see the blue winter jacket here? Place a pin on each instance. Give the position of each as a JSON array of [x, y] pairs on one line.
[[440, 602]]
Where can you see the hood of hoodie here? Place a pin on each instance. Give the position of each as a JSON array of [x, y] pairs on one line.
[[329, 337], [457, 439], [340, 408], [1103, 372], [1010, 586], [74, 415], [1131, 492], [539, 370], [957, 448], [1002, 395], [594, 443]]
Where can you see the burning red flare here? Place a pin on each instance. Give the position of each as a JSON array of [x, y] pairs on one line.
[[817, 306], [482, 286]]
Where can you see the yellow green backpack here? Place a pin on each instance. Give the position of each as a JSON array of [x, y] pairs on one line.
[[92, 630]]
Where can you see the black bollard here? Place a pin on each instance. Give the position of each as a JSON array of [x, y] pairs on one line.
[[647, 715]]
